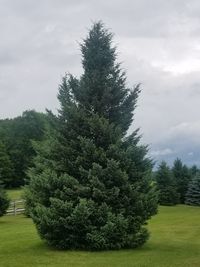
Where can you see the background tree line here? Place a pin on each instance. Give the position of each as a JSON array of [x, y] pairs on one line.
[[179, 184], [16, 146]]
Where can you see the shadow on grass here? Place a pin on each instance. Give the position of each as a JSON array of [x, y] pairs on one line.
[[147, 248]]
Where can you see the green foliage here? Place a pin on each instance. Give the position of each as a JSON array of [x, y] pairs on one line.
[[193, 193], [17, 135], [91, 186], [6, 168], [193, 170], [4, 202], [182, 177], [166, 185]]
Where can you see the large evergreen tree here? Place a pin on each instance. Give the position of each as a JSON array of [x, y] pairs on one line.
[[91, 186], [166, 185], [193, 193]]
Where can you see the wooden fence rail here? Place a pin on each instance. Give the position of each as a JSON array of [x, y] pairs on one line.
[[16, 207]]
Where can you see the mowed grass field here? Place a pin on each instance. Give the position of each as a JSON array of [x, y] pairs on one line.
[[174, 241]]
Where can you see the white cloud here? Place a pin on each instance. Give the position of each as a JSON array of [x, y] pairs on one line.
[[163, 152], [189, 130]]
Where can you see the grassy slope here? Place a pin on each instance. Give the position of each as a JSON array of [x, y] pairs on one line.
[[175, 241], [15, 194]]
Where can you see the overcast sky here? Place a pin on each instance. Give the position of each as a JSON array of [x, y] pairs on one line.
[[158, 44]]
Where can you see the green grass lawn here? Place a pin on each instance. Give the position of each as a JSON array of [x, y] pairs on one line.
[[175, 241]]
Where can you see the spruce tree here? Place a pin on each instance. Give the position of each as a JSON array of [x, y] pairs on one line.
[[182, 177], [91, 186], [193, 171], [166, 185], [193, 193]]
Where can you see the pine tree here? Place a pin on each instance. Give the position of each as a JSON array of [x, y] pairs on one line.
[[91, 187], [193, 170], [193, 193], [182, 177], [166, 185]]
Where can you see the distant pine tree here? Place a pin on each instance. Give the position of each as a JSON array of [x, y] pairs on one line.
[[193, 193], [166, 185], [194, 170], [91, 187], [182, 178]]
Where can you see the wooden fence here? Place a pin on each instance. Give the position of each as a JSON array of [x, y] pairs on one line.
[[16, 207]]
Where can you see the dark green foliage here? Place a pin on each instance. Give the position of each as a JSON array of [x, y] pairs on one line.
[[4, 201], [182, 177], [166, 185], [91, 186], [193, 193], [17, 135], [193, 170], [103, 85], [6, 168]]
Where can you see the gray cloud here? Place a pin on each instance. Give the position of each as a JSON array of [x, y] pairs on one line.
[[158, 45]]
